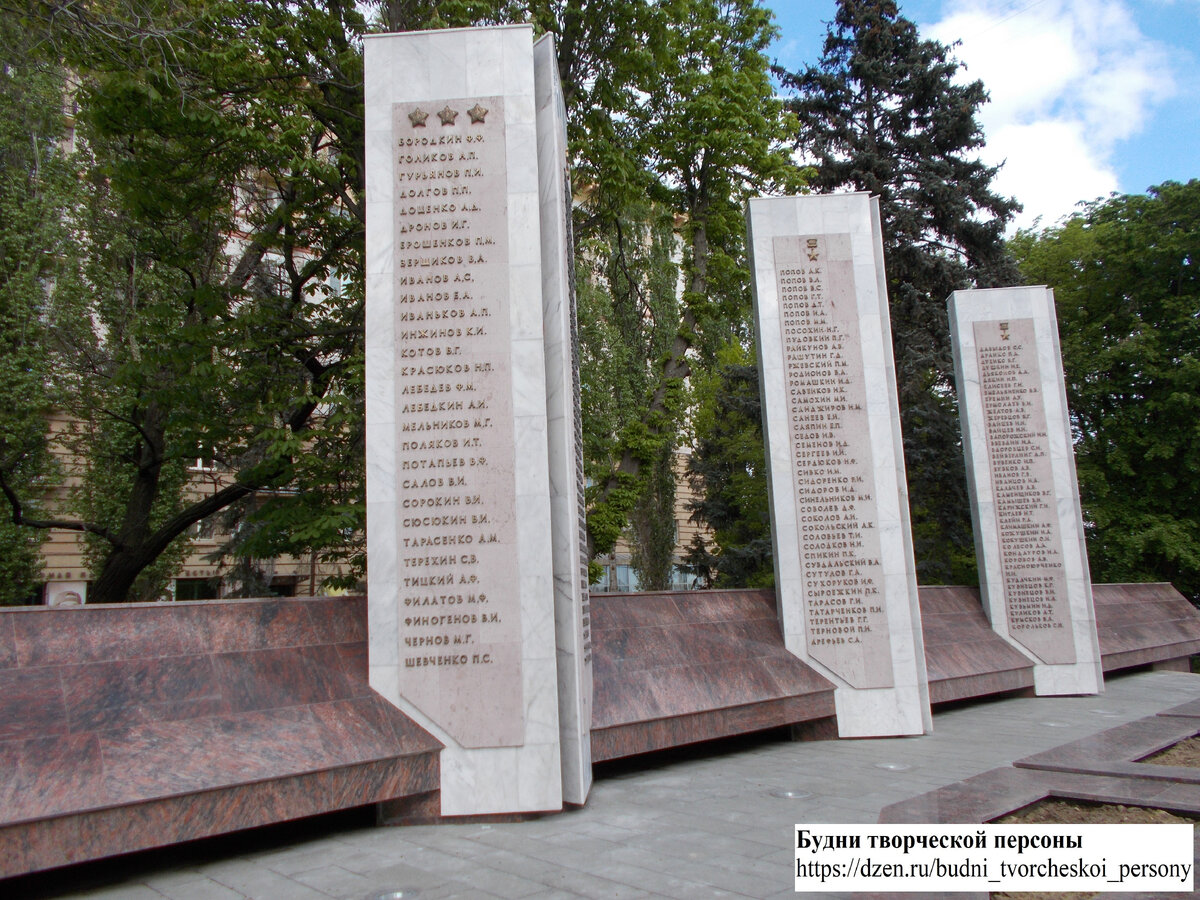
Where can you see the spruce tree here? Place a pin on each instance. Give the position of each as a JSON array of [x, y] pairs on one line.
[[883, 112]]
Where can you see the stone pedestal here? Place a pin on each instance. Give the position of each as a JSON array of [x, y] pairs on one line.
[[462, 586], [844, 567], [1033, 568]]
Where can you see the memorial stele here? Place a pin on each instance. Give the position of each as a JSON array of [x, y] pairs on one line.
[[845, 574], [1029, 541], [477, 609]]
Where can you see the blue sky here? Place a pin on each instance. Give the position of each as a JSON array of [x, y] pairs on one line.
[[1088, 96]]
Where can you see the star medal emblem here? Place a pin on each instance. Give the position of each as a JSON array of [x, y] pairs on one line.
[[477, 114], [417, 117], [448, 116], [813, 253]]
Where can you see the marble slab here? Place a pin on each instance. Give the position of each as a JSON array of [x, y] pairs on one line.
[[140, 725], [1029, 540], [676, 668], [844, 565], [564, 427], [462, 605]]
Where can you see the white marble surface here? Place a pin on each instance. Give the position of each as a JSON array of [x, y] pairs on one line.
[[902, 708], [574, 684], [1085, 675], [458, 65]]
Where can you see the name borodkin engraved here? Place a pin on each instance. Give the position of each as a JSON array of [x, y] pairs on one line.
[[459, 604]]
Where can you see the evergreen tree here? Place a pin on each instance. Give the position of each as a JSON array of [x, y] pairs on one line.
[[882, 112], [1127, 291]]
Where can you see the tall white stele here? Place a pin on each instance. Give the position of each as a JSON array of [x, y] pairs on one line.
[[844, 567], [1033, 568], [462, 588]]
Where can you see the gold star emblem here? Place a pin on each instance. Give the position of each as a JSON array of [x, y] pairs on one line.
[[418, 117], [813, 253], [477, 114], [448, 116]]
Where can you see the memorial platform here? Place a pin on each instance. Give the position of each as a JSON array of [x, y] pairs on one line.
[[675, 668], [135, 726]]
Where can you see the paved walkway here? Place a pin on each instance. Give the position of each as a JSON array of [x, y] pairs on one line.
[[686, 824]]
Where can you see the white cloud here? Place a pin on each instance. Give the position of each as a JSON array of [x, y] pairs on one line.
[[1068, 79]]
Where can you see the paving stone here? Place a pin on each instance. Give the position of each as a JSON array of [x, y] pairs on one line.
[[198, 889]]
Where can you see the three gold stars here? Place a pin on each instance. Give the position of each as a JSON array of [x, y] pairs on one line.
[[478, 114]]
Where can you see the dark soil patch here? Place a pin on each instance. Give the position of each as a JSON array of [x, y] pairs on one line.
[[1074, 812]]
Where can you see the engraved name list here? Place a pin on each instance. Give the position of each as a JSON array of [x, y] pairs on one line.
[[1027, 523], [459, 608], [845, 619]]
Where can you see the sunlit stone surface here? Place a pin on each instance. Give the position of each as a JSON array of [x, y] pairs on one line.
[[844, 567], [1033, 568], [462, 580]]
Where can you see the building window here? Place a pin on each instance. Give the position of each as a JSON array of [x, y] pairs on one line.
[[197, 588], [284, 586], [627, 580], [683, 580]]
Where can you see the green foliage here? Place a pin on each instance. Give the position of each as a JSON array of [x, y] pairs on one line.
[[653, 524], [172, 341], [703, 131], [728, 470], [37, 187], [1127, 288], [628, 314], [881, 112], [211, 118]]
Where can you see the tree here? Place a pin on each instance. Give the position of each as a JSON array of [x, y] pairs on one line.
[[628, 308], [882, 112], [225, 117], [728, 472], [216, 310], [36, 191], [708, 133], [1127, 291]]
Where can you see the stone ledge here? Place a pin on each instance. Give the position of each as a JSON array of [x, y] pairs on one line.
[[135, 726]]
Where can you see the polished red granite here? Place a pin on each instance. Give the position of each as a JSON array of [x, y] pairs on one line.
[[1117, 752], [963, 656], [677, 668], [993, 794], [1141, 624], [134, 726], [1191, 710], [1136, 625]]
